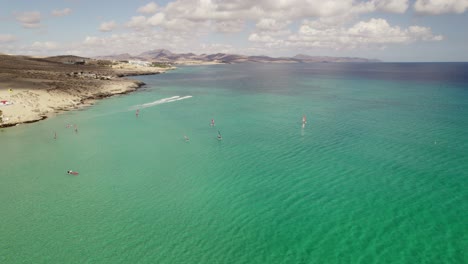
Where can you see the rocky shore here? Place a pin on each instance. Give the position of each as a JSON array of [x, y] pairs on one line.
[[32, 89]]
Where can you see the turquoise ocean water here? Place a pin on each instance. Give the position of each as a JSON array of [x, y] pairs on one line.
[[378, 175]]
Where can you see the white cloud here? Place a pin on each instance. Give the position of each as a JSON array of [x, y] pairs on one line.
[[149, 8], [185, 26], [280, 25], [437, 7], [271, 24], [138, 22], [231, 16], [63, 12], [48, 45], [245, 9], [156, 19], [373, 33], [147, 39], [392, 6], [136, 42], [29, 19], [423, 33], [215, 48], [199, 11], [327, 8], [95, 41], [175, 24], [107, 26], [7, 38], [261, 38], [230, 26], [376, 31]]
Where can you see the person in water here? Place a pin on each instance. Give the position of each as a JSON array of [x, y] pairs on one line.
[[69, 172], [137, 112], [212, 123], [186, 138]]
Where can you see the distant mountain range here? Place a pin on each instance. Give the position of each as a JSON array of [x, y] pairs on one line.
[[163, 55]]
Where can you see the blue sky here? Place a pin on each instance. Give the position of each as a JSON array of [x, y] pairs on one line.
[[390, 30]]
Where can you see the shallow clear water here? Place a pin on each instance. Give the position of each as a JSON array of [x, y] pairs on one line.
[[378, 174]]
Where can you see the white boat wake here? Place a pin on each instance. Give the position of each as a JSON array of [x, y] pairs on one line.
[[160, 101]]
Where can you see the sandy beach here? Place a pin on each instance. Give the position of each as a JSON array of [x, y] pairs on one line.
[[32, 89]]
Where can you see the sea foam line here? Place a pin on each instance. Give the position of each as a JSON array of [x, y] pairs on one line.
[[160, 101]]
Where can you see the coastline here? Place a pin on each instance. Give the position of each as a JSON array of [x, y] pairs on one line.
[[34, 93], [68, 102]]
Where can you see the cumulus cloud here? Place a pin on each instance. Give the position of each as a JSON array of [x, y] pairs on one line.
[[156, 19], [174, 24], [245, 9], [63, 12], [325, 23], [107, 26], [437, 7], [138, 22], [231, 16], [272, 25], [378, 31], [230, 12], [423, 33], [372, 33], [29, 19], [7, 38], [149, 8]]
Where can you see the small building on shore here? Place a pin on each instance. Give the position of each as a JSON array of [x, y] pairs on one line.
[[140, 63]]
